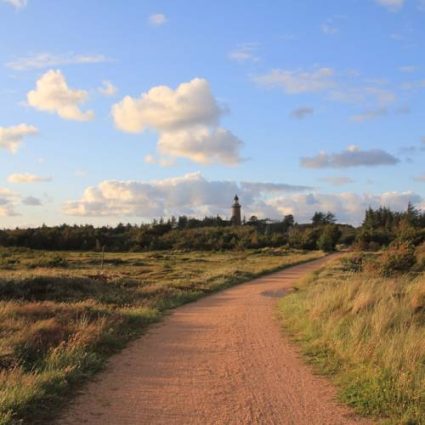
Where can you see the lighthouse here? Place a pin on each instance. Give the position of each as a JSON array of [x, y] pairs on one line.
[[236, 212]]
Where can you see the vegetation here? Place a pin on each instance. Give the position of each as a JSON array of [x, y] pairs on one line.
[[209, 234], [63, 313], [382, 226], [362, 321]]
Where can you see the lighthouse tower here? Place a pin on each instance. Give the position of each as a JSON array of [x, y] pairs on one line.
[[236, 212]]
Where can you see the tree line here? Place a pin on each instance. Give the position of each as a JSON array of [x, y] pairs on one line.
[[380, 227]]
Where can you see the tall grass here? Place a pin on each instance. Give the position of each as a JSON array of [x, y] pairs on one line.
[[368, 333], [62, 315]]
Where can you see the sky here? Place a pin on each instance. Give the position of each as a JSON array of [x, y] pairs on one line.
[[125, 111]]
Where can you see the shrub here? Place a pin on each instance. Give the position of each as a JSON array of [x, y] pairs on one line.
[[420, 257], [353, 263], [329, 237], [399, 257]]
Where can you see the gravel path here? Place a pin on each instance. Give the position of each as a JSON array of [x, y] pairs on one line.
[[222, 360]]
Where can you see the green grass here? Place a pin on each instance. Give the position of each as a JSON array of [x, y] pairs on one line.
[[367, 332], [62, 315]]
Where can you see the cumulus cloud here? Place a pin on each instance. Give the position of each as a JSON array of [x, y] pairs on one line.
[[52, 94], [17, 4], [157, 19], [202, 145], [27, 178], [11, 137], [165, 109], [420, 178], [302, 112], [186, 120], [246, 52], [31, 201], [46, 60], [190, 194], [294, 82], [337, 180], [347, 206], [353, 156], [107, 89], [193, 195], [392, 5]]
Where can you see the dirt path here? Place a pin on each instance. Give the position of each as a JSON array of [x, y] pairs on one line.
[[222, 360]]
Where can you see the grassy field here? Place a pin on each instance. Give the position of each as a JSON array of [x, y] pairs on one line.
[[62, 314], [368, 333]]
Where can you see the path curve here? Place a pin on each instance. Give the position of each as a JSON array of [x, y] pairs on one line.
[[219, 361]]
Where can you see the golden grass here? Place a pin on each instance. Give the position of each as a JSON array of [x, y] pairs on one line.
[[61, 314], [368, 333]]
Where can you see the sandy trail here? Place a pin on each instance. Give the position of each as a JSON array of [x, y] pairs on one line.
[[222, 360]]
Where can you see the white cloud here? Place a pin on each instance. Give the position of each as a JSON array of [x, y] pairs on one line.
[[107, 89], [295, 82], [158, 19], [271, 188], [346, 87], [186, 120], [302, 112], [392, 5], [246, 52], [163, 161], [52, 94], [193, 195], [190, 194], [11, 137], [351, 157], [202, 145], [17, 4], [165, 109], [27, 178], [8, 200], [46, 60], [347, 206]]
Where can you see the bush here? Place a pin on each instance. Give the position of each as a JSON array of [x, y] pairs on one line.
[[420, 257], [353, 264], [399, 257], [329, 238]]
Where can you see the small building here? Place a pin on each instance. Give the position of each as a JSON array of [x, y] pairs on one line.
[[236, 212]]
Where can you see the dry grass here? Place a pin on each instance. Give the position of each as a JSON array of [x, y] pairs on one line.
[[61, 315], [368, 332]]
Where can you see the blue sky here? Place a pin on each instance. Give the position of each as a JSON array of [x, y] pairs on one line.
[[124, 111]]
